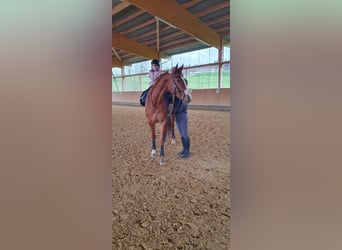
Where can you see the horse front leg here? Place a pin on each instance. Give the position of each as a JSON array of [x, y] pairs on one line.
[[153, 137], [163, 130]]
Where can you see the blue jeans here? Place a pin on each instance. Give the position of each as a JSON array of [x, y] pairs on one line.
[[182, 124]]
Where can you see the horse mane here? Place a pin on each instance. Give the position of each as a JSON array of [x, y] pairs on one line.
[[157, 80], [158, 83]]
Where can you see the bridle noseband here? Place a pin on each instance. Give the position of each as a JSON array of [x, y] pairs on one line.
[[176, 88]]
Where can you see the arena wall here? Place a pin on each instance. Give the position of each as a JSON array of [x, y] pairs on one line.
[[202, 98]]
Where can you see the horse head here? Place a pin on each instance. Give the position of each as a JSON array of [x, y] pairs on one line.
[[179, 82]]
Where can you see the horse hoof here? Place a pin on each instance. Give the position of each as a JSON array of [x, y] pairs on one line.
[[153, 153]]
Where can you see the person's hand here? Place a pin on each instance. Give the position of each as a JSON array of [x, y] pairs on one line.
[[187, 99], [170, 108], [188, 91]]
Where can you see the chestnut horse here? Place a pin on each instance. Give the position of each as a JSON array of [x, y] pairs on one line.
[[156, 108]]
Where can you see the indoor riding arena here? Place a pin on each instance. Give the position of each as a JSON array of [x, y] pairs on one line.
[[185, 203]]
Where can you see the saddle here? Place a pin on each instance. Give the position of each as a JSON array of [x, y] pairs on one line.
[[143, 96]]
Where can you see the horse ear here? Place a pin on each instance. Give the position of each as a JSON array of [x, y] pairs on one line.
[[174, 69], [181, 68]]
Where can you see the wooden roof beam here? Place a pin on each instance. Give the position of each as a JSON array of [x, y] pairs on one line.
[[212, 9], [124, 20], [218, 19], [178, 33], [116, 62], [124, 43], [134, 28], [184, 5], [152, 32], [222, 28], [116, 53], [186, 43], [119, 7], [190, 3], [182, 40], [171, 12], [169, 27]]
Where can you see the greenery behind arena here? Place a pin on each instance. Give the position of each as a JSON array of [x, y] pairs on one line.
[[196, 81]]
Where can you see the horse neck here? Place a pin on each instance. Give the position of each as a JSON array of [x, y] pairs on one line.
[[159, 90]]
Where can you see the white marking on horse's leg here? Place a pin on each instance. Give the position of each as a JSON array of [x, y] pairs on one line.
[[153, 153], [162, 162], [173, 141]]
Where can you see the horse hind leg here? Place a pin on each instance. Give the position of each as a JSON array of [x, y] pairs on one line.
[[172, 125], [153, 137], [162, 160], [173, 140], [153, 152], [162, 141]]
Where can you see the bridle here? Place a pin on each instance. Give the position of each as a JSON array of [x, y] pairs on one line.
[[176, 89]]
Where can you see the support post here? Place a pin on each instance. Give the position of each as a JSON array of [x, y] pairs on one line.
[[220, 56], [123, 78]]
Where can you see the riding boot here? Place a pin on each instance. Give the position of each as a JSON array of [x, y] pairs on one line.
[[186, 152], [183, 144]]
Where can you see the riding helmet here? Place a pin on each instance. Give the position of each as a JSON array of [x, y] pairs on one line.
[[155, 62]]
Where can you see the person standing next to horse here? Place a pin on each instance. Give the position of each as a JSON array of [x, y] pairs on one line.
[[152, 74], [181, 113]]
